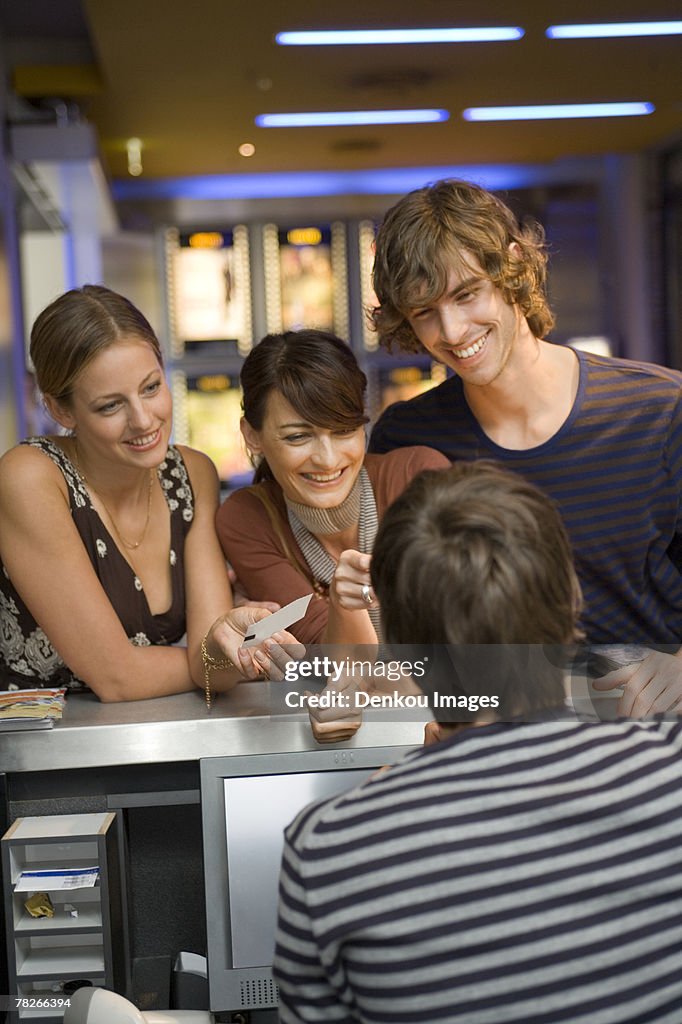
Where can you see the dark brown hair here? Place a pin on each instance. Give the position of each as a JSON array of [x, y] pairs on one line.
[[474, 555], [74, 328], [434, 229], [317, 374]]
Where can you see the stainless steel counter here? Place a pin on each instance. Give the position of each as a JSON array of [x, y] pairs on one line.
[[253, 718], [141, 759]]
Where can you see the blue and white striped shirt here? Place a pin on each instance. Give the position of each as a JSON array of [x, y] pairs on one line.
[[514, 874]]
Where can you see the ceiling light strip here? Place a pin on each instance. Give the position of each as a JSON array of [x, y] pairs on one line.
[[312, 119], [398, 36], [554, 111], [615, 30], [379, 181]]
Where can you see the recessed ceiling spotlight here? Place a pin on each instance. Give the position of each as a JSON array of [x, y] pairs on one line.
[[551, 111], [615, 30], [318, 118], [247, 149], [397, 36], [134, 152]]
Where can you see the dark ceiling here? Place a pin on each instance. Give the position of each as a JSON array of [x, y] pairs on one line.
[[189, 78]]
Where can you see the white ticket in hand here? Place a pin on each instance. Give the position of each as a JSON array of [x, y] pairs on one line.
[[282, 619]]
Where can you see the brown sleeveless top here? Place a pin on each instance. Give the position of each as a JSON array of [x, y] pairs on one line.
[[27, 658]]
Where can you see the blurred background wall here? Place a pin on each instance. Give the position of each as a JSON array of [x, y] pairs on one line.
[[132, 156]]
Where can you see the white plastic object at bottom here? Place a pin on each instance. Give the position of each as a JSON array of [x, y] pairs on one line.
[[99, 1006]]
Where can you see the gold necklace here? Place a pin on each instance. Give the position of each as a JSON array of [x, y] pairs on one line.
[[130, 545]]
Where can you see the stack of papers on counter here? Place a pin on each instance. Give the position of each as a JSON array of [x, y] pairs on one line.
[[30, 709]]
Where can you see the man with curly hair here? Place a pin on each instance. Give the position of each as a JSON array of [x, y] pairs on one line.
[[457, 276]]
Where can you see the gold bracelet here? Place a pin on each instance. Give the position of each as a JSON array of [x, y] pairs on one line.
[[211, 663]]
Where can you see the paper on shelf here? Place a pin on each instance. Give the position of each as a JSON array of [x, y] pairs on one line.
[[57, 878]]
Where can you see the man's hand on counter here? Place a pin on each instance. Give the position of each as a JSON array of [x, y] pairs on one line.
[[652, 686]]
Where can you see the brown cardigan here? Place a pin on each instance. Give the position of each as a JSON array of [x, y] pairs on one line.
[[254, 551]]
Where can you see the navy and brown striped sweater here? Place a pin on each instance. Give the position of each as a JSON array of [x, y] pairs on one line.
[[614, 469]]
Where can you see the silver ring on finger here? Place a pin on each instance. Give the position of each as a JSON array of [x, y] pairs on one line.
[[367, 594]]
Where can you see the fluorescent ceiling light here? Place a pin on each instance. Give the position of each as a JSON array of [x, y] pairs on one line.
[[556, 110], [613, 30], [339, 117], [373, 37]]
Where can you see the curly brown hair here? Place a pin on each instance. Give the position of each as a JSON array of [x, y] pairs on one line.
[[435, 228]]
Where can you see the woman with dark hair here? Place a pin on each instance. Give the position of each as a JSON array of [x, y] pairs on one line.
[[309, 520], [108, 551]]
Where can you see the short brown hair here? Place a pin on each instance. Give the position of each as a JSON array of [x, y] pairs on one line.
[[73, 329], [431, 229], [475, 555], [477, 559], [317, 374]]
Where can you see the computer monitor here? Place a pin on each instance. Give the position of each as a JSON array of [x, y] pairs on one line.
[[247, 802]]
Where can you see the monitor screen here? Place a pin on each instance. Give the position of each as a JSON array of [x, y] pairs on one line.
[[247, 802]]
